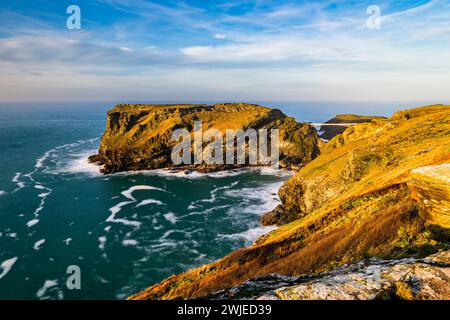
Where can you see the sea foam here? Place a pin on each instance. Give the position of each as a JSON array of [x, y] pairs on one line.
[[129, 195], [250, 235], [47, 285], [148, 201], [32, 222], [6, 266], [38, 244]]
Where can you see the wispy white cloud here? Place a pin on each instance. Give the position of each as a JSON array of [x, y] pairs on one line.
[[268, 51], [219, 36], [410, 11]]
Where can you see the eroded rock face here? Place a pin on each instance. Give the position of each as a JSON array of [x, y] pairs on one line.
[[431, 188], [139, 137], [420, 279]]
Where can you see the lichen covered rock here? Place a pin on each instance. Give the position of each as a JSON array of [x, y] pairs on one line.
[[408, 279]]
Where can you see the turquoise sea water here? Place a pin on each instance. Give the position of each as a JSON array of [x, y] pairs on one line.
[[125, 231]]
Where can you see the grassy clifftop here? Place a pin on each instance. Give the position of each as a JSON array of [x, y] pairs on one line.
[[352, 202], [139, 136]]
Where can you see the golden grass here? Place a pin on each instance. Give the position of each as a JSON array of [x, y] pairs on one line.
[[352, 202]]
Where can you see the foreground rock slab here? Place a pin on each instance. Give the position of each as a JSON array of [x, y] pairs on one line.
[[409, 279]]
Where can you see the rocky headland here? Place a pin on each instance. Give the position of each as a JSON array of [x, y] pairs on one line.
[[375, 196], [329, 131], [139, 137]]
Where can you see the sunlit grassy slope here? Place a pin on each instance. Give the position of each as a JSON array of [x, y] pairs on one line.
[[351, 202]]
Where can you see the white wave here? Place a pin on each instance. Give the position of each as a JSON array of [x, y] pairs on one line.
[[164, 245], [171, 217], [6, 266], [225, 187], [167, 172], [265, 198], [168, 233], [102, 241], [2, 192], [129, 192], [20, 184], [42, 202], [114, 210], [206, 211], [148, 201], [213, 196], [107, 228], [47, 285], [129, 195], [81, 164], [11, 235], [40, 165], [250, 235], [269, 171], [43, 195], [40, 161], [38, 244], [67, 241], [102, 280], [129, 242], [32, 222]]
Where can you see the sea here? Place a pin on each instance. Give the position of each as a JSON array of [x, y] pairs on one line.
[[69, 232]]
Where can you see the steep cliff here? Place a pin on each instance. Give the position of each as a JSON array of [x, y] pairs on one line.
[[138, 137], [353, 202]]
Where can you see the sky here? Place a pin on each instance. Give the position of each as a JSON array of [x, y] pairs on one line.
[[235, 50]]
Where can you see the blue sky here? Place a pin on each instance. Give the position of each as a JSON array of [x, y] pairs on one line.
[[260, 50]]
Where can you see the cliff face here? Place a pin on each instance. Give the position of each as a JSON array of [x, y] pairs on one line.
[[357, 200], [431, 189], [138, 137]]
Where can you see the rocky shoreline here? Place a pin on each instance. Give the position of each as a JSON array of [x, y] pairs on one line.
[[359, 197]]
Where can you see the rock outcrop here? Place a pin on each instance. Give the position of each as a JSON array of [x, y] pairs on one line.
[[138, 137], [407, 279], [355, 201], [370, 279], [431, 188]]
